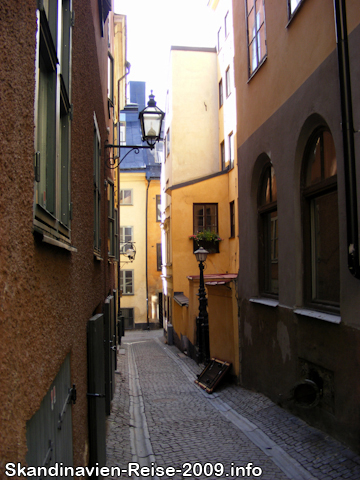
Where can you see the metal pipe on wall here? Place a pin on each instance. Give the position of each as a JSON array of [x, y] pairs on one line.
[[348, 137]]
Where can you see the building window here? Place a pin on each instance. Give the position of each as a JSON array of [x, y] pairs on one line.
[[52, 203], [127, 282], [97, 193], [126, 197], [110, 88], [158, 257], [111, 220], [122, 132], [227, 25], [256, 35], [167, 144], [205, 217], [221, 94], [158, 208], [293, 6], [168, 247], [231, 150], [117, 241], [219, 38], [126, 238], [321, 223], [232, 219], [222, 155], [228, 82], [128, 317], [268, 233]]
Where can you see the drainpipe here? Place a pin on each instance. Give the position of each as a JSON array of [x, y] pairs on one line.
[[146, 255], [348, 137]]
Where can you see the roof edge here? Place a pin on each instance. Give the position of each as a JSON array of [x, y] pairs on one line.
[[193, 49]]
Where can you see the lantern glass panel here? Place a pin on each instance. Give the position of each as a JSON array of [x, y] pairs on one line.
[[152, 122], [201, 254]]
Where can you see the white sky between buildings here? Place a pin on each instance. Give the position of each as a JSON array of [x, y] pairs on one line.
[[153, 27]]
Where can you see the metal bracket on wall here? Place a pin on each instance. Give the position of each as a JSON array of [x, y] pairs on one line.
[[71, 398]]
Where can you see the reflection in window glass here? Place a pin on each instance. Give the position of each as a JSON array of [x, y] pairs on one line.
[[205, 217], [269, 233], [255, 14], [293, 4], [126, 197], [321, 226]]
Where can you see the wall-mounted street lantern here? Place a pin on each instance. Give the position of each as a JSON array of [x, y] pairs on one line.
[[129, 251], [202, 321], [151, 118]]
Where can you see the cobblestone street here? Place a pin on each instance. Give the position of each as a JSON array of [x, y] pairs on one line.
[[160, 418]]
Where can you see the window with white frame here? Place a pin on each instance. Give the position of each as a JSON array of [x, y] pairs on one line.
[[126, 197], [53, 112], [126, 237], [127, 282], [256, 33]]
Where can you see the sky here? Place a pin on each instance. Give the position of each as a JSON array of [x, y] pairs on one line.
[[153, 27]]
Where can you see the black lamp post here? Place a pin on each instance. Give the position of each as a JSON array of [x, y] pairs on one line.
[[151, 118], [202, 321]]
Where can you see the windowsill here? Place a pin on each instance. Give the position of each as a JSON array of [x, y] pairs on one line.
[[326, 317], [257, 68], [98, 257], [58, 243], [50, 240], [269, 302]]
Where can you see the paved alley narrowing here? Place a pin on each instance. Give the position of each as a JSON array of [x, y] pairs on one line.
[[160, 418]]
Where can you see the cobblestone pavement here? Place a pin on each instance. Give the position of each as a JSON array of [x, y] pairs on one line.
[[160, 418]]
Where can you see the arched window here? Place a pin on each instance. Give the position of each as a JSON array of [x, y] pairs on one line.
[[321, 222], [268, 233]]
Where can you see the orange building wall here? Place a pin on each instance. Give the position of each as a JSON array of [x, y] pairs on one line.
[[213, 190], [287, 66], [153, 238]]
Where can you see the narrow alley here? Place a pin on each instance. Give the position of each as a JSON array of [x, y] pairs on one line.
[[163, 425]]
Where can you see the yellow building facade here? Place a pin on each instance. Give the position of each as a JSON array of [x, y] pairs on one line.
[[198, 188]]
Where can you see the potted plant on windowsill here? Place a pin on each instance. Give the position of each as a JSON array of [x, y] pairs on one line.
[[206, 239]]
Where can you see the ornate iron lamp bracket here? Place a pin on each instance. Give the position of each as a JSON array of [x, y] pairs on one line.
[[113, 161]]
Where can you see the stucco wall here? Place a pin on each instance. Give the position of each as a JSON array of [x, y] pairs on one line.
[[154, 238], [275, 342], [134, 216], [290, 62], [47, 294], [193, 116]]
